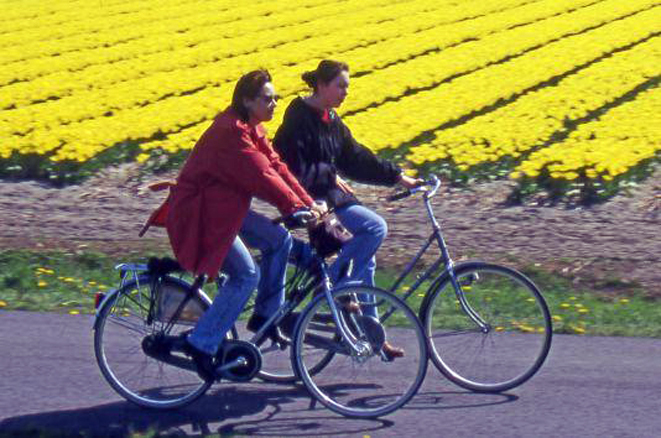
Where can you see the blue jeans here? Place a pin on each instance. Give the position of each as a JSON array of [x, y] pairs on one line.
[[368, 229], [230, 301], [275, 243]]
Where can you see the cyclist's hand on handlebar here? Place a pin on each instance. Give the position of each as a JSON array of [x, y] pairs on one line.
[[298, 219], [410, 182], [319, 208]]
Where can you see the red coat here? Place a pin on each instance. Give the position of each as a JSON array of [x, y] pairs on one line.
[[232, 162]]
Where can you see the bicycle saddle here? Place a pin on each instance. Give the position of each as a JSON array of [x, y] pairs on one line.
[[164, 266]]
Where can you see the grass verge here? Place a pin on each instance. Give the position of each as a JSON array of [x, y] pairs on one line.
[[67, 282]]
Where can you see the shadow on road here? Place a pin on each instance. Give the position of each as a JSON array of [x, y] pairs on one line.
[[209, 414], [457, 400], [276, 411]]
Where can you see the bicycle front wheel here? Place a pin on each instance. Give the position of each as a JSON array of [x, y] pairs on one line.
[[490, 335], [359, 380], [121, 337]]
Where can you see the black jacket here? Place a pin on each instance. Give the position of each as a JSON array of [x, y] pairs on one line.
[[316, 150]]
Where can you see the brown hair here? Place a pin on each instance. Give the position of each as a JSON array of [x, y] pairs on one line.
[[248, 87], [326, 71]]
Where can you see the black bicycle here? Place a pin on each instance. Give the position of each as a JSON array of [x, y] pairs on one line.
[[335, 350], [488, 326]]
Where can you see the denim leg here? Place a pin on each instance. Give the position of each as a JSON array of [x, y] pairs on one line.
[[301, 253], [368, 229], [275, 243], [230, 301]]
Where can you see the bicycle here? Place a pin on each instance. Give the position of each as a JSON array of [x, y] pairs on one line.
[[140, 328], [488, 326]]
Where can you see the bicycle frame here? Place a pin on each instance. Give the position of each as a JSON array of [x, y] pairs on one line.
[[445, 260], [299, 295]]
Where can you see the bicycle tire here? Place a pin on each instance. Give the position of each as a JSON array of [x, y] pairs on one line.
[[119, 331], [276, 363], [509, 349], [362, 386]]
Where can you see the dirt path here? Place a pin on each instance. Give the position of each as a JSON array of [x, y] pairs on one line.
[[594, 246]]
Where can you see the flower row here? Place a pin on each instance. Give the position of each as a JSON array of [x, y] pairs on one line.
[[97, 102], [606, 148], [355, 28], [165, 115], [396, 79], [175, 29], [535, 118], [93, 23], [394, 123]]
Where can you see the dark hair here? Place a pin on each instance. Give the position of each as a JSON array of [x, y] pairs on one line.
[[248, 87], [326, 71]]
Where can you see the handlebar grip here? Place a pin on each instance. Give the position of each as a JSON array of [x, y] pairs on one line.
[[398, 196], [298, 219]]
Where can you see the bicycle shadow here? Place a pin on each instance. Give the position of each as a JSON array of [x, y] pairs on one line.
[[208, 415], [304, 426], [271, 410], [457, 400]]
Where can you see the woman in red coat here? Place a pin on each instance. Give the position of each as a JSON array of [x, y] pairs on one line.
[[231, 163]]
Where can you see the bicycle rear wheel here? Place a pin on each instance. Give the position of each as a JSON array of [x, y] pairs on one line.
[[360, 384], [121, 337], [505, 341]]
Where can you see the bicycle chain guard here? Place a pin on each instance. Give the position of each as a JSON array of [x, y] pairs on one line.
[[240, 360]]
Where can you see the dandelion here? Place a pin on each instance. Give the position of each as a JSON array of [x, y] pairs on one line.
[[3, 304], [583, 310], [578, 330], [421, 295], [42, 283], [557, 318], [624, 301], [74, 312], [565, 305], [92, 283]]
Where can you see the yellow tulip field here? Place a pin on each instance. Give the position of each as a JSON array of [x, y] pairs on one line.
[[559, 95]]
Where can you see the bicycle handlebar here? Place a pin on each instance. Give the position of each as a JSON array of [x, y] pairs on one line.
[[298, 219], [429, 187]]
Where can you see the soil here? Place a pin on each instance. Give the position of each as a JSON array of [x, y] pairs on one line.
[[612, 247]]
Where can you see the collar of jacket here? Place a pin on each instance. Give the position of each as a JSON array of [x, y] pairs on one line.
[[316, 114], [229, 117]]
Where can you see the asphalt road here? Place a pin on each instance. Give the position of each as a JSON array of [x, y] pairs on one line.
[[589, 387]]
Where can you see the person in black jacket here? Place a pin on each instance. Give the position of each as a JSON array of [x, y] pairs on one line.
[[318, 147]]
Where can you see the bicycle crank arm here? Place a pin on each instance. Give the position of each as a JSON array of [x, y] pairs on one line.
[[238, 362]]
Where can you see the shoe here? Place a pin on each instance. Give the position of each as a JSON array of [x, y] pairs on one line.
[[273, 333], [391, 352], [349, 305], [203, 362]]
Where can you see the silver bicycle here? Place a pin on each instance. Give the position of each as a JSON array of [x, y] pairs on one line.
[[488, 326]]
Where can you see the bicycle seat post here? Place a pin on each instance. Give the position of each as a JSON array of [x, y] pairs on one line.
[[199, 281]]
